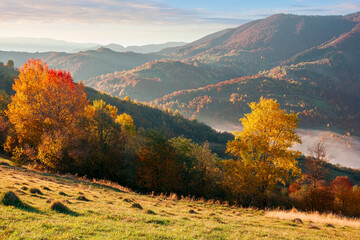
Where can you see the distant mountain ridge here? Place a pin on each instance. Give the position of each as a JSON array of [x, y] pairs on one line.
[[85, 64], [32, 45], [149, 48]]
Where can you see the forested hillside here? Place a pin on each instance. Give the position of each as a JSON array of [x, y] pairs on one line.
[[158, 78], [170, 123]]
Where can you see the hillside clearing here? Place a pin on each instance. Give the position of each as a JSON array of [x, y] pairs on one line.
[[113, 212]]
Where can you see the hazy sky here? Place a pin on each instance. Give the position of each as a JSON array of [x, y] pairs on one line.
[[130, 22]]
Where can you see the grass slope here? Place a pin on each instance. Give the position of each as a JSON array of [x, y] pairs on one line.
[[113, 212]]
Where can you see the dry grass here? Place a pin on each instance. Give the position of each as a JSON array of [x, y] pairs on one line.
[[315, 217], [109, 213]]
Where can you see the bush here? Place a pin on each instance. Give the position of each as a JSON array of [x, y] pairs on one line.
[[10, 199], [59, 207], [35, 191], [82, 198]]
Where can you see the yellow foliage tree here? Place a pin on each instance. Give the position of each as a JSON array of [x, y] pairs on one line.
[[126, 122], [106, 139], [264, 157]]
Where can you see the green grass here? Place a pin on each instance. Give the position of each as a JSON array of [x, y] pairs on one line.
[[109, 214]]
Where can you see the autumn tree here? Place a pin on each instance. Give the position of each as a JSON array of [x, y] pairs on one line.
[[315, 170], [107, 139], [44, 112], [158, 169], [342, 190], [263, 151], [126, 122]]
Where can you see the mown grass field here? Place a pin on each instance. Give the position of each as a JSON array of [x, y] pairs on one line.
[[111, 213]]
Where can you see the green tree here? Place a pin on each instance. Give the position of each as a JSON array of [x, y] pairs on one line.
[[4, 121], [10, 64], [158, 168], [263, 151], [200, 174], [106, 141]]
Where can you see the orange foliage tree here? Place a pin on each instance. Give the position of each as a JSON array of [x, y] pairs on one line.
[[342, 189], [45, 109]]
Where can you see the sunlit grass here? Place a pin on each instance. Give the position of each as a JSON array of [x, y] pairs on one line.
[[315, 217], [113, 212]]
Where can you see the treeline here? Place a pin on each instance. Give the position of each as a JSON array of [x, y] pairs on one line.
[[50, 124], [7, 75]]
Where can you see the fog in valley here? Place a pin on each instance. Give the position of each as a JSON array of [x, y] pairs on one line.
[[342, 149]]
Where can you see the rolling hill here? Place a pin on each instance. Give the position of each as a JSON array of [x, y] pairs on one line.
[[84, 65], [158, 78], [111, 211]]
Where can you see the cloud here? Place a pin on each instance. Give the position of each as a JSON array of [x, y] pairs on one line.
[[144, 11], [103, 11]]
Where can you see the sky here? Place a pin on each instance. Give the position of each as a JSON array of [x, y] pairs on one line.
[[139, 22]]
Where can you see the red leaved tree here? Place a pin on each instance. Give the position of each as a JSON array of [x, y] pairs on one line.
[[45, 110]]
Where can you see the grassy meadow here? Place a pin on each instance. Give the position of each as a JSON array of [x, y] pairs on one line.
[[103, 210]]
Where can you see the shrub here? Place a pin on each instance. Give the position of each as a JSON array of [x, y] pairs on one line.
[[59, 207], [82, 198], [35, 191], [10, 199], [136, 205]]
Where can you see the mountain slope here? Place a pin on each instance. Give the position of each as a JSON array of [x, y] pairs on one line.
[[227, 101], [263, 44], [279, 35], [158, 78], [322, 84]]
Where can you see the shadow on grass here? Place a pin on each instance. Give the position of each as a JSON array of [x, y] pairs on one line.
[[29, 208], [62, 179], [11, 199], [61, 208]]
